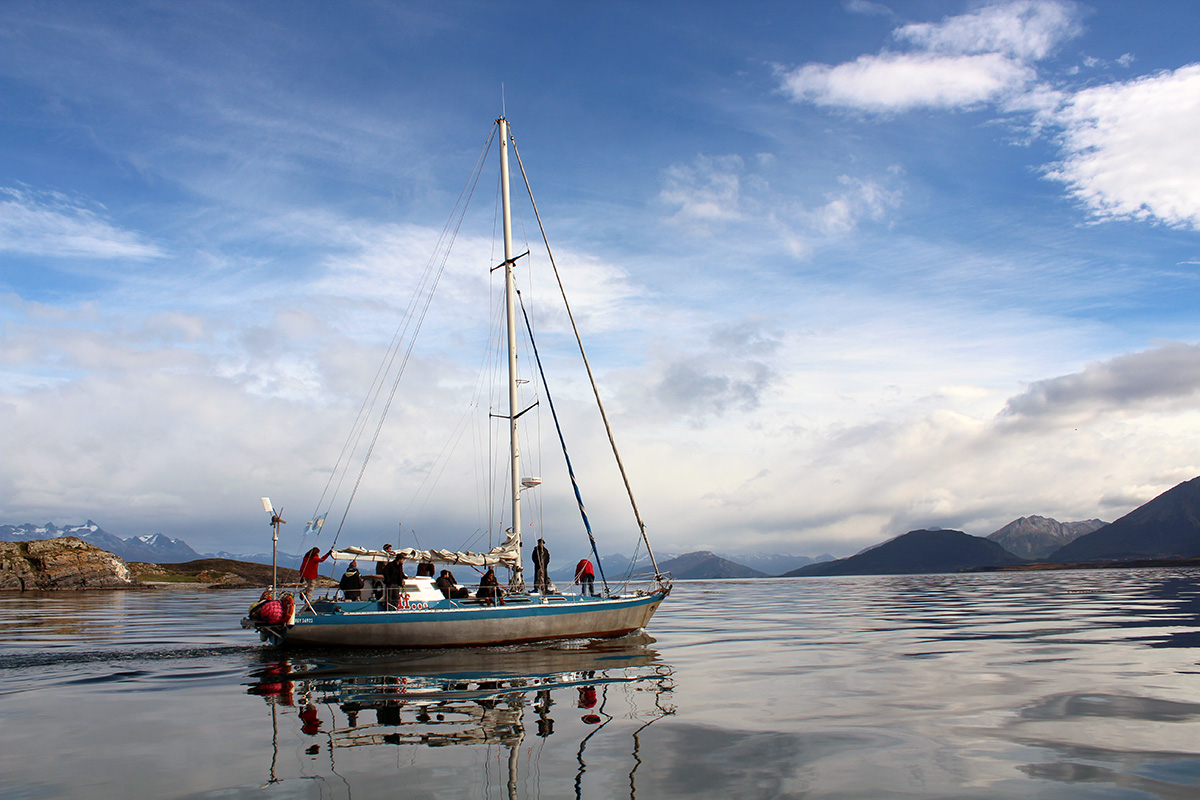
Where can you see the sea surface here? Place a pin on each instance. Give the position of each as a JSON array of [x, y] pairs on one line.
[[1079, 684]]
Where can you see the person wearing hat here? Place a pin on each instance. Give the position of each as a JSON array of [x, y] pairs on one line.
[[541, 561], [351, 583]]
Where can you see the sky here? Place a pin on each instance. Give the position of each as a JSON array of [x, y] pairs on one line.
[[843, 269]]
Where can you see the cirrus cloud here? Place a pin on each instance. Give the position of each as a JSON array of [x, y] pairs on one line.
[[51, 224]]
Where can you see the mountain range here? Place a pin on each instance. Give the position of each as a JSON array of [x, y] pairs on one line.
[[918, 552], [1167, 527], [153, 548]]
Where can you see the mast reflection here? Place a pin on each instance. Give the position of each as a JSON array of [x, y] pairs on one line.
[[483, 697]]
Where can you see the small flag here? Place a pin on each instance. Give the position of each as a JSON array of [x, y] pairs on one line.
[[314, 524]]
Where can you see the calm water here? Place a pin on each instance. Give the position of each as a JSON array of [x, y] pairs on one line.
[[1063, 685]]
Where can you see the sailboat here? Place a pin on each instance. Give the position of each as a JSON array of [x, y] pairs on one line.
[[420, 615]]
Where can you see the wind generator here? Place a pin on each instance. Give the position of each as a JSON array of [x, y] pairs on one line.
[[276, 520]]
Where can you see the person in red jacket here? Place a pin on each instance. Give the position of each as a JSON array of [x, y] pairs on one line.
[[308, 569], [585, 577]]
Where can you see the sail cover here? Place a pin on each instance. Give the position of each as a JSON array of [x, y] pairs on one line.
[[508, 554]]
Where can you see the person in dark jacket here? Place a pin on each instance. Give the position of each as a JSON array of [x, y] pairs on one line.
[[351, 583], [393, 578], [541, 561], [449, 586], [489, 588]]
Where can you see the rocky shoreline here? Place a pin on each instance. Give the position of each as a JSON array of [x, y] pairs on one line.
[[64, 563], [70, 564]]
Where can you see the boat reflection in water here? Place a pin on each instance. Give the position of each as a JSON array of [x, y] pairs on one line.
[[562, 696]]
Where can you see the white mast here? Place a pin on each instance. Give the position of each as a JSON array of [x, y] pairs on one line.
[[510, 301]]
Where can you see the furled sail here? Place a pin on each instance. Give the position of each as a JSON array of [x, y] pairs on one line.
[[508, 554]]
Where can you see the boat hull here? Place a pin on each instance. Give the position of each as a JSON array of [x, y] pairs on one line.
[[468, 625]]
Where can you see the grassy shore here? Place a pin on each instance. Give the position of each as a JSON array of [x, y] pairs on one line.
[[216, 573]]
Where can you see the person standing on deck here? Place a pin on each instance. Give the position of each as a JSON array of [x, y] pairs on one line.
[[379, 585], [393, 579], [308, 569], [380, 566], [585, 577], [541, 561]]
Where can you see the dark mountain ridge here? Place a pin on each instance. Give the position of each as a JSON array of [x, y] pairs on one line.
[[1166, 527], [917, 552]]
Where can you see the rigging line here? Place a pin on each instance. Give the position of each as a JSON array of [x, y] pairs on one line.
[[591, 378], [377, 382], [361, 420], [539, 497], [570, 470], [440, 463], [426, 288], [486, 387], [495, 345], [390, 398], [479, 396], [496, 455], [449, 234]]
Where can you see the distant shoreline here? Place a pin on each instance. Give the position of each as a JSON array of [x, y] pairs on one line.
[[1135, 564]]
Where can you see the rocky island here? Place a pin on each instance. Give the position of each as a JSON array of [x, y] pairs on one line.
[[64, 563], [69, 563]]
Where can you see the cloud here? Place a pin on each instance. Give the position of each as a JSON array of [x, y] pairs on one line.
[[730, 374], [859, 200], [1130, 150], [867, 8], [1128, 382], [958, 63], [1027, 31], [897, 82], [51, 224], [715, 191], [697, 388], [705, 191]]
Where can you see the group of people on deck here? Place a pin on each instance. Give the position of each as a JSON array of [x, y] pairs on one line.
[[584, 576], [391, 572]]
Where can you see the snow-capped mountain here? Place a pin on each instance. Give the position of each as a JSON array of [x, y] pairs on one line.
[[154, 548]]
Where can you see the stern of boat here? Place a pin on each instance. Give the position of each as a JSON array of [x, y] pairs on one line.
[[271, 634]]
